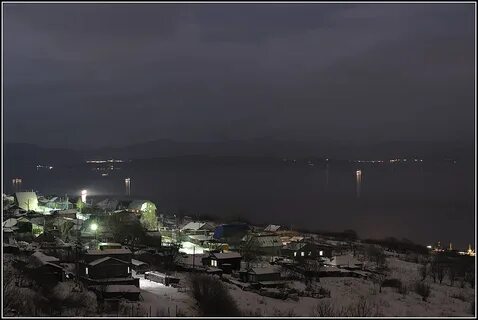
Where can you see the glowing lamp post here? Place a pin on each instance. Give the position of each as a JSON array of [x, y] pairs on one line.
[[358, 179], [83, 195], [94, 227], [127, 183]]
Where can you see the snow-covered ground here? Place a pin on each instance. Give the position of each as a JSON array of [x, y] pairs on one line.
[[344, 292], [191, 248], [164, 300], [347, 291]]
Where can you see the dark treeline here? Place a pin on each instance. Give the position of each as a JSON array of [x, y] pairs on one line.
[[400, 246]]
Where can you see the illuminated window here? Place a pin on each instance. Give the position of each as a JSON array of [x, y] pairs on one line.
[[86, 270], [310, 253], [295, 254], [214, 263], [302, 253], [321, 253], [128, 270]]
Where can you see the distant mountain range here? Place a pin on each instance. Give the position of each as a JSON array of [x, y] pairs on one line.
[[28, 153]]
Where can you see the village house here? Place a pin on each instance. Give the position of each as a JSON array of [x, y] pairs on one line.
[[260, 274], [27, 201], [139, 266], [263, 244], [273, 228], [344, 261], [107, 267], [305, 250], [226, 261], [46, 269], [197, 228]]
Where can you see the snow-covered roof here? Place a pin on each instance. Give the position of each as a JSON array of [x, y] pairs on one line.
[[9, 223], [137, 262], [67, 211], [263, 270], [226, 255], [194, 226], [200, 237], [101, 260], [295, 246], [27, 200], [272, 228], [264, 240], [137, 204], [109, 251], [108, 204], [344, 260], [23, 219], [43, 258]]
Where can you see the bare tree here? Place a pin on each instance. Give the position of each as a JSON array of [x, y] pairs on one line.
[[441, 272], [470, 278], [452, 272], [363, 308], [434, 270], [376, 255], [248, 252], [311, 270], [424, 271], [423, 290]]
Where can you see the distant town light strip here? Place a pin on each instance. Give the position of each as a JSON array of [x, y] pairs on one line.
[[103, 161]]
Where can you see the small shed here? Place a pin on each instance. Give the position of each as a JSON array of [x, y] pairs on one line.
[[139, 266], [129, 292], [260, 274]]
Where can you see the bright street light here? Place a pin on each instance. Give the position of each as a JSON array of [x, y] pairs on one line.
[[83, 195], [93, 226]]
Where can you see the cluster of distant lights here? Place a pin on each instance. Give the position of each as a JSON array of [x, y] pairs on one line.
[[39, 166], [104, 161], [105, 168], [389, 161]]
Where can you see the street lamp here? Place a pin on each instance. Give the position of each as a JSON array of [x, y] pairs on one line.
[[94, 227], [84, 193]]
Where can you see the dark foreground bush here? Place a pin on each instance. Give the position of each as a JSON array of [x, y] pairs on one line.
[[363, 307], [423, 290], [213, 297], [392, 283]]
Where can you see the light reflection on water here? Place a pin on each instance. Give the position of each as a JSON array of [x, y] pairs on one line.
[[418, 202]]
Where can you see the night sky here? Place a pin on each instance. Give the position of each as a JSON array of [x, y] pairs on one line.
[[116, 74]]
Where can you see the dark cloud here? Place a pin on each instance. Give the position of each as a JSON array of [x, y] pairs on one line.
[[136, 72]]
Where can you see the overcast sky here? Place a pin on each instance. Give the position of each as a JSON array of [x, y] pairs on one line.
[[115, 74]]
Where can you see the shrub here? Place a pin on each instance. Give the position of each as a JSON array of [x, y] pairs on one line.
[[423, 271], [212, 296], [392, 283], [423, 290], [324, 292], [459, 296], [403, 289], [324, 309], [363, 308]]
